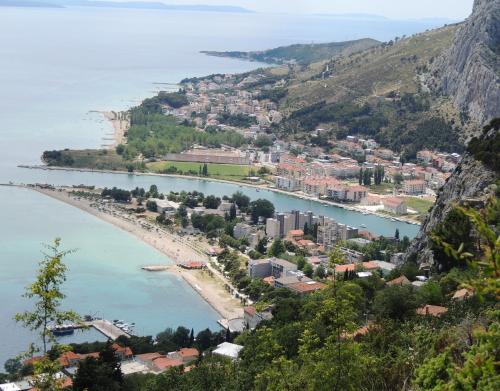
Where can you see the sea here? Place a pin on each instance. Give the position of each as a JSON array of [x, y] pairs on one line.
[[58, 68]]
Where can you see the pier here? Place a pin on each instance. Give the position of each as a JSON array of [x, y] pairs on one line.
[[106, 328]]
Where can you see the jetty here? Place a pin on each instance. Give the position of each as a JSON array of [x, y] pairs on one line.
[[106, 328]]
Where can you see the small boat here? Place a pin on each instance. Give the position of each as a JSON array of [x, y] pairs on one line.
[[363, 226], [63, 329], [393, 219]]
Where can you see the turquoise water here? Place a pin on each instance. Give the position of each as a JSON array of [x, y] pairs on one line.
[[104, 276], [57, 65]]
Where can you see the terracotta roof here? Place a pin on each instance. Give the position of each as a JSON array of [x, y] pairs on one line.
[[269, 280], [462, 294], [344, 268], [392, 202], [189, 352], [165, 362], [370, 265], [434, 310], [125, 350], [250, 310], [148, 356], [296, 232], [306, 287], [402, 280]]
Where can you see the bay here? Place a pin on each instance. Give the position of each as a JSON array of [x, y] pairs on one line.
[[59, 65]]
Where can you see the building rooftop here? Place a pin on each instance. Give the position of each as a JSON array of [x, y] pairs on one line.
[[434, 310], [228, 349]]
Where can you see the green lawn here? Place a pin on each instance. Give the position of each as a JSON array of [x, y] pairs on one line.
[[221, 171], [420, 205], [383, 188]]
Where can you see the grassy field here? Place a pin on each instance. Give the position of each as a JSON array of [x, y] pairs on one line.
[[221, 171], [420, 205]]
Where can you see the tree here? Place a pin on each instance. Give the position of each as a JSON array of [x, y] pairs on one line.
[[232, 212], [191, 338], [211, 202], [396, 302], [277, 248], [12, 366], [320, 272], [153, 191], [47, 296], [308, 270], [261, 245], [241, 200], [261, 208], [151, 206], [99, 374], [360, 176], [306, 229], [396, 234], [204, 170]]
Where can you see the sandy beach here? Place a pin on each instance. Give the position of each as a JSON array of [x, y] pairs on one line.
[[353, 208], [174, 247], [120, 125]]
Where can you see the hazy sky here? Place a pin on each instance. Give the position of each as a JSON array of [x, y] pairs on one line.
[[406, 9]]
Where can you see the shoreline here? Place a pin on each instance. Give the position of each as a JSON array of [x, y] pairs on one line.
[[306, 197], [170, 246], [120, 124]]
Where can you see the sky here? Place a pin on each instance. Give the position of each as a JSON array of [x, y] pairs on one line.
[[395, 9]]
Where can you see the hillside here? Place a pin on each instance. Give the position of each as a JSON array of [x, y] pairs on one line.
[[377, 93], [301, 53]]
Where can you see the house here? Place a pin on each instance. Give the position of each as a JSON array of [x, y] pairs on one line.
[[165, 206], [434, 310], [163, 363], [193, 265], [252, 317], [229, 350], [259, 268], [186, 355], [295, 234], [400, 281], [123, 353], [414, 186], [303, 288], [394, 205]]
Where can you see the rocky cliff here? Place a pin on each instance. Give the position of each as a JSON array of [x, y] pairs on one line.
[[469, 70], [471, 180]]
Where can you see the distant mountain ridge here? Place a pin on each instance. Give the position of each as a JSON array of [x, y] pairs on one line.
[[301, 53], [28, 3], [129, 5]]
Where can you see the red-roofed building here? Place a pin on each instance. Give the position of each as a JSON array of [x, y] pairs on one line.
[[186, 355], [414, 186], [306, 288], [434, 310], [295, 234], [123, 353], [394, 205], [162, 363], [192, 265]]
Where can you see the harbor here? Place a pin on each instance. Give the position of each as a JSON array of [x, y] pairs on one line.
[[111, 330]]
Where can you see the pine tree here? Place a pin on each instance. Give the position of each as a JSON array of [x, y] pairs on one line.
[[191, 338], [232, 212], [360, 176]]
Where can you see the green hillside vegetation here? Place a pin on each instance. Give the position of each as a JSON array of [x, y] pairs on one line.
[[301, 53], [375, 93]]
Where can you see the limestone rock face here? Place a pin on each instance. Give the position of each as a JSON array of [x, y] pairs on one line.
[[469, 70], [471, 179]]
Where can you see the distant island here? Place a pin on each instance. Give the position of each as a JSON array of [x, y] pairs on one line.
[[301, 53], [129, 5]]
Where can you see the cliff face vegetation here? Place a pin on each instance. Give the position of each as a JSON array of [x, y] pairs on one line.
[[469, 71]]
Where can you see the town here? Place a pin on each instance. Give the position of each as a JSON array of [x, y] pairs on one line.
[[353, 170]]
